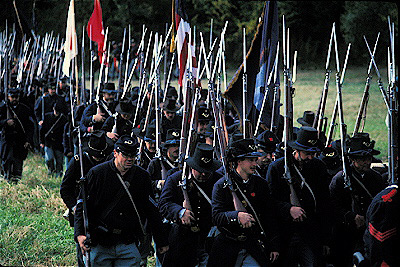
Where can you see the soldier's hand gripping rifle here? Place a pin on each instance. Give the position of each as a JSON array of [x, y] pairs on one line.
[[217, 111]]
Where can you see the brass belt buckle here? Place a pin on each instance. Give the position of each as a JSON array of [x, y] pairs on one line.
[[194, 229], [242, 237], [116, 231]]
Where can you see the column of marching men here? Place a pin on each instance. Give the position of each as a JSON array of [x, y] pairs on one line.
[[137, 201]]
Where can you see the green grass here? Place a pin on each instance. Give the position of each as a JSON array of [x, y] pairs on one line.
[[309, 85], [33, 232]]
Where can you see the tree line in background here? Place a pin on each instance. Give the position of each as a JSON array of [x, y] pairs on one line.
[[310, 23]]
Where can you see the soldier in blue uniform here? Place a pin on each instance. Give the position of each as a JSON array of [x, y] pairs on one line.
[[305, 226], [123, 124], [381, 237], [266, 143], [190, 227], [350, 206], [159, 166], [16, 135], [118, 203], [51, 138], [169, 118], [95, 153], [249, 236], [46, 103], [95, 114]]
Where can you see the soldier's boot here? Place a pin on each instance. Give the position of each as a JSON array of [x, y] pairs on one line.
[[14, 179]]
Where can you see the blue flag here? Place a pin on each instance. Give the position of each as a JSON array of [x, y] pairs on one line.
[[260, 61]]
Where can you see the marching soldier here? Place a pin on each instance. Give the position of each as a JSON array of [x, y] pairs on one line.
[[118, 202], [381, 237], [243, 241], [46, 103], [94, 154], [350, 206], [169, 118], [16, 135], [305, 225], [51, 138], [123, 125], [158, 167], [96, 113], [266, 143], [190, 226], [149, 149]]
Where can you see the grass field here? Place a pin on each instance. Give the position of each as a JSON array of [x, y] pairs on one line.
[[33, 232]]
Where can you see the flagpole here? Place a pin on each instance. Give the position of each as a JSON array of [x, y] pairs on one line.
[[244, 84], [101, 67], [91, 66]]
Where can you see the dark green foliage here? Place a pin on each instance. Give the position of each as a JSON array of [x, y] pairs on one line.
[[310, 22]]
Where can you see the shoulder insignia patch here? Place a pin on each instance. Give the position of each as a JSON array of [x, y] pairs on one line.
[[388, 196]]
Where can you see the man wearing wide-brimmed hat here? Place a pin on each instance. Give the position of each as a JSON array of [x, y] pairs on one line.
[[190, 227], [118, 204], [95, 153], [305, 228], [45, 103], [169, 118], [123, 125], [241, 237], [96, 113], [16, 130], [351, 205], [159, 166]]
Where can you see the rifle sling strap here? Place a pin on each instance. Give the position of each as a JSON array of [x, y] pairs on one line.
[[133, 203], [363, 186], [303, 182], [54, 125], [252, 209], [201, 191]]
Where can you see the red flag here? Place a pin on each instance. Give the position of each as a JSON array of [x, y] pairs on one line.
[[95, 28]]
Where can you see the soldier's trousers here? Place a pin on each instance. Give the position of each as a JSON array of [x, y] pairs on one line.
[[12, 168], [54, 160]]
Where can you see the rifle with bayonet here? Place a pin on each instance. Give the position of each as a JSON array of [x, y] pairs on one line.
[[83, 79], [82, 180], [288, 120], [121, 63], [320, 114], [362, 111]]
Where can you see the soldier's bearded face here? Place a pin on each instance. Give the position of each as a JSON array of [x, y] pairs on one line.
[[13, 100], [200, 176], [362, 164], [108, 97], [264, 160]]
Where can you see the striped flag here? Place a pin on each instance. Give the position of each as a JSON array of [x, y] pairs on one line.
[[71, 44], [183, 32], [95, 29]]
